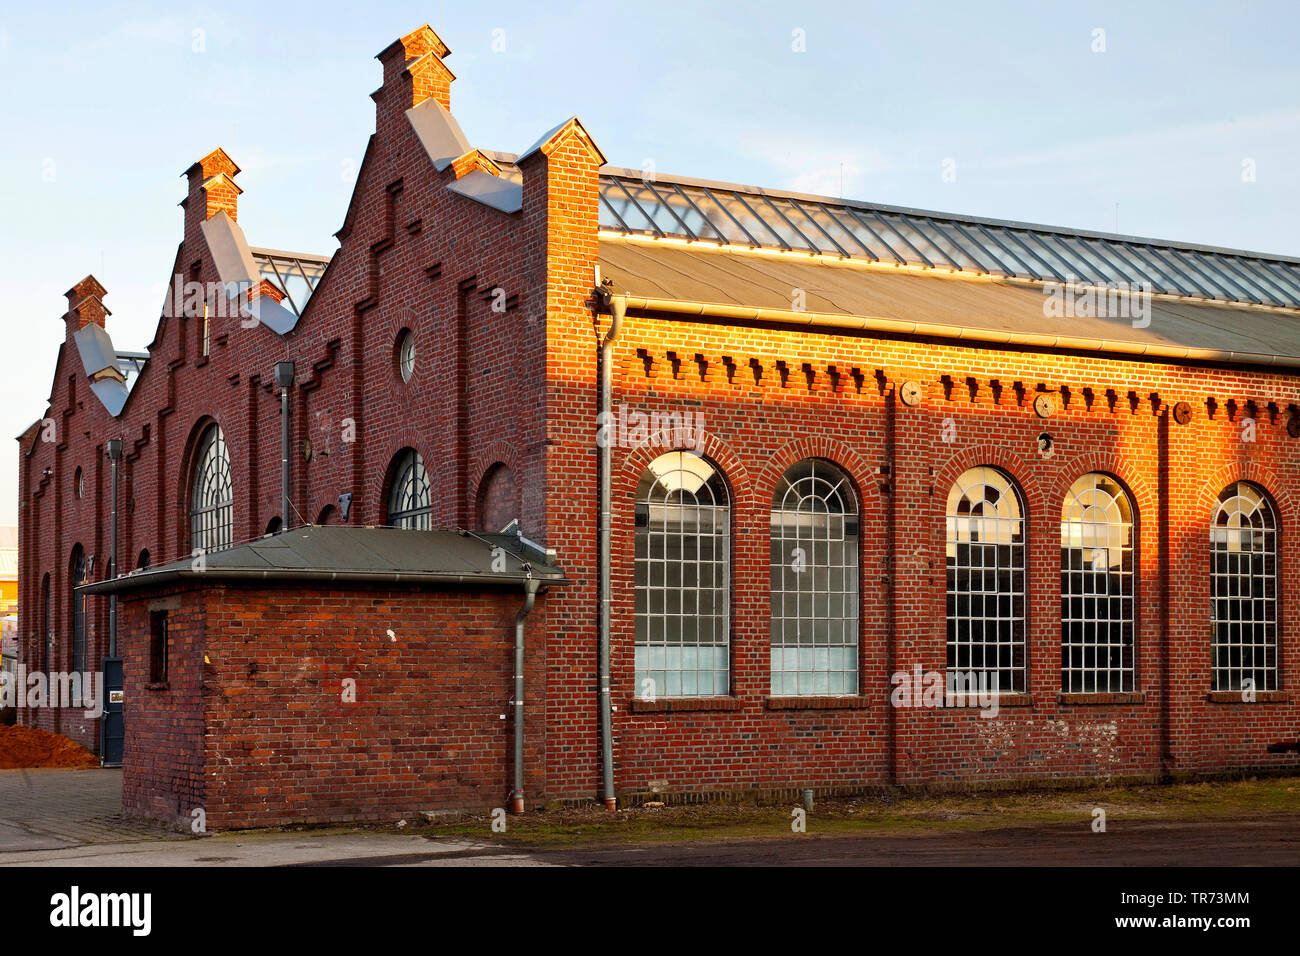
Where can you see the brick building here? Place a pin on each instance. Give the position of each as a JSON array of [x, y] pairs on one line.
[[836, 449]]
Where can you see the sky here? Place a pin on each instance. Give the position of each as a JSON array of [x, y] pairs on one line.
[[1175, 121]]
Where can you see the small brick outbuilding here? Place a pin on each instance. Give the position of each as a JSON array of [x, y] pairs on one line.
[[329, 674]]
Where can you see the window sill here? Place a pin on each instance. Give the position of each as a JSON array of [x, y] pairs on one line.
[[1099, 699], [159, 685], [1261, 697], [824, 702], [663, 705], [971, 701]]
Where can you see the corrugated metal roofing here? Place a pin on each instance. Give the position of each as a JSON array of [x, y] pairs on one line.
[[342, 554], [662, 206], [980, 309]]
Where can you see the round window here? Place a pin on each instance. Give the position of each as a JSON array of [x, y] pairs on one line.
[[406, 354]]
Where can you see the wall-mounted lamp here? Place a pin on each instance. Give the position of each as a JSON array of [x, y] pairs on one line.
[[284, 374]]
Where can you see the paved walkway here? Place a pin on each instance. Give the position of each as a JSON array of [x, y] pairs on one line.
[[50, 809], [74, 818]]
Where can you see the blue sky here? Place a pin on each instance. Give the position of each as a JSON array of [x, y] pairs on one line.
[[104, 105]]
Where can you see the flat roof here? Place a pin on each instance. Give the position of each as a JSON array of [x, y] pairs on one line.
[[343, 554]]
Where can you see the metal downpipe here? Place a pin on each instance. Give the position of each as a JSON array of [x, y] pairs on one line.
[[284, 377], [284, 459], [517, 794], [115, 454], [618, 308]]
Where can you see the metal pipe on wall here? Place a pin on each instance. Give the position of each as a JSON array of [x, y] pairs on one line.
[[284, 378], [517, 794], [617, 306], [115, 456]]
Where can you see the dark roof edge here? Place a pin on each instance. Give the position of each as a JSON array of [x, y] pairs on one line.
[[162, 576], [685, 310], [284, 254]]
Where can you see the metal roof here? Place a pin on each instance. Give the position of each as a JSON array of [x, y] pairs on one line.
[[342, 554], [701, 279], [495, 191], [439, 133], [632, 203], [96, 349]]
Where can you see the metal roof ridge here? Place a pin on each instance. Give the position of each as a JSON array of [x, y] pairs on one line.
[[624, 173], [282, 253]]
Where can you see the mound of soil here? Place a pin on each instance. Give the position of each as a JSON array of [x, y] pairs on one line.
[[33, 747]]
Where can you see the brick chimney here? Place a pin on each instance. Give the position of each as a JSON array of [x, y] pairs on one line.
[[86, 304], [413, 72], [212, 188]]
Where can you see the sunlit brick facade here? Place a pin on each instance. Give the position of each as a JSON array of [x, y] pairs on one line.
[[496, 278]]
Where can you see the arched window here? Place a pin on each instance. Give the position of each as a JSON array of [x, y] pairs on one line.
[[409, 503], [327, 514], [142, 562], [212, 495], [1243, 589], [814, 566], [1096, 587], [683, 578], [80, 573], [986, 582], [47, 626], [274, 526]]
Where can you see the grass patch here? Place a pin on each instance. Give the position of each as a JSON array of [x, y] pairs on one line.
[[911, 813]]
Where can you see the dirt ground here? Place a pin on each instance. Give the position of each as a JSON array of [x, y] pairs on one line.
[[28, 747]]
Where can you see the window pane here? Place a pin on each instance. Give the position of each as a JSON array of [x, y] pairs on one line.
[[986, 581], [1243, 590], [409, 499], [814, 574], [683, 578], [212, 496], [1096, 579]]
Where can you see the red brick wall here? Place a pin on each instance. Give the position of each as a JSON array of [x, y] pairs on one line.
[[498, 499], [163, 762], [756, 429], [258, 733]]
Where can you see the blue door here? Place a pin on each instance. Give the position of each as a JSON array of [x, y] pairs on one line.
[[112, 728]]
